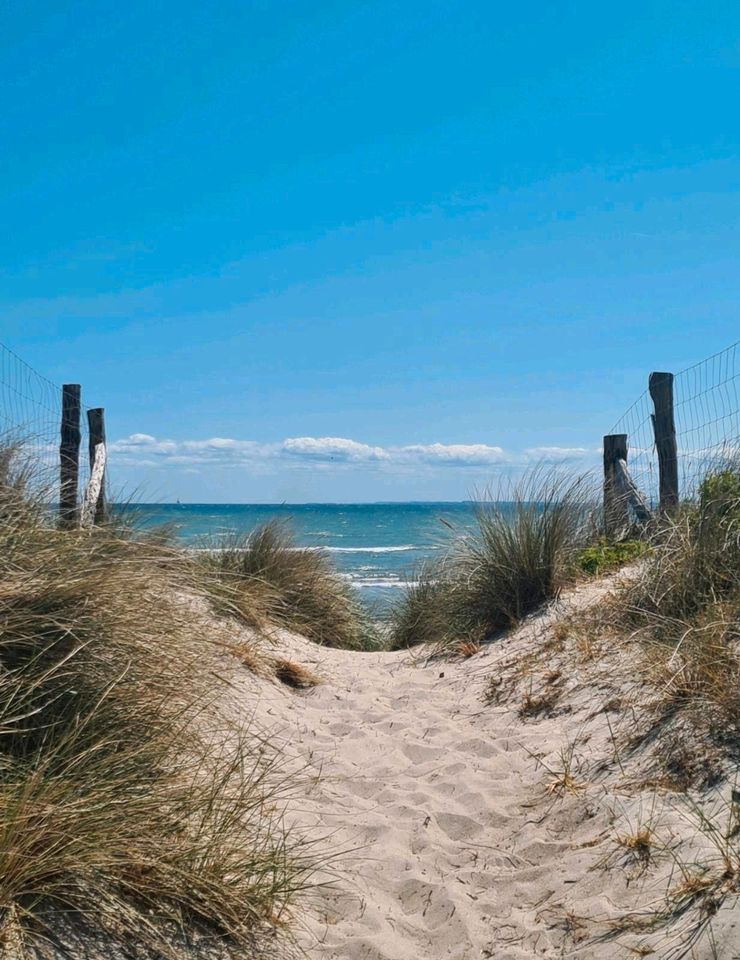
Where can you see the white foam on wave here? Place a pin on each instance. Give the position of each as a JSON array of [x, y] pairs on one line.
[[378, 582], [398, 549]]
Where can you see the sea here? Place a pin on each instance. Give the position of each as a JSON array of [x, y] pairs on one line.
[[378, 547]]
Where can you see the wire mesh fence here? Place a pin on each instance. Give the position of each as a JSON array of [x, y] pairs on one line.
[[707, 418], [30, 421]]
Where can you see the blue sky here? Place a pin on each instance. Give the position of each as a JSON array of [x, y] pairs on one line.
[[358, 251]]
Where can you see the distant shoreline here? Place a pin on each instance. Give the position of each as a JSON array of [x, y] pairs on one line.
[[294, 503]]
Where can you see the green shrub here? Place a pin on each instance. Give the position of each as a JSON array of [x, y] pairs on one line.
[[719, 493], [604, 556]]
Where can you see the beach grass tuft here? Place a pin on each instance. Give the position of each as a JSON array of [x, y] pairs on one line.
[[264, 578], [521, 553]]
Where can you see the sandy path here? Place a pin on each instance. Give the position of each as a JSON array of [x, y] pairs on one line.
[[410, 781], [427, 794], [449, 842]]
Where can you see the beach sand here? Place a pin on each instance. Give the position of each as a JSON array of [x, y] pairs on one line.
[[459, 829]]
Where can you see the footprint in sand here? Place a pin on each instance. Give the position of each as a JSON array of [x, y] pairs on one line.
[[427, 899], [365, 789], [420, 753], [457, 826]]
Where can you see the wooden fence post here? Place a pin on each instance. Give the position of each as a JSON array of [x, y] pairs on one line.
[[96, 435], [660, 386], [88, 511], [69, 455], [616, 516], [632, 493]]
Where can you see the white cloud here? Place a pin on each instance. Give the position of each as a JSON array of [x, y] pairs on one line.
[[460, 454], [559, 454], [223, 447], [215, 443], [215, 450], [331, 448], [322, 452], [143, 443]]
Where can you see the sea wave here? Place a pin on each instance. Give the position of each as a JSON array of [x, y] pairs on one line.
[[397, 549], [378, 582], [321, 549]]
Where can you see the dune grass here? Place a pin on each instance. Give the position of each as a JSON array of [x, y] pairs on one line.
[[521, 553], [124, 812], [266, 579], [684, 605]]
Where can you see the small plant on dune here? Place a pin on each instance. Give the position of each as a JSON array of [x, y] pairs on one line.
[[264, 578], [294, 675], [564, 775], [704, 880], [466, 649], [638, 845], [704, 874], [603, 556], [520, 555], [534, 705], [563, 772], [249, 654], [637, 841], [125, 816]]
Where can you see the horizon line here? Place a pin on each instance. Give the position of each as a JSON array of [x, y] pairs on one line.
[[282, 503]]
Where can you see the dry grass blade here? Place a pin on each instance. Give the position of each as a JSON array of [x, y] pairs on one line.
[[294, 675]]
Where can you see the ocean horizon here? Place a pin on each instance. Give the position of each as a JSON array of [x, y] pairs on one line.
[[379, 547], [291, 503]]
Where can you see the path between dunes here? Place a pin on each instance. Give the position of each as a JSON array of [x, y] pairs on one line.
[[449, 843], [424, 790]]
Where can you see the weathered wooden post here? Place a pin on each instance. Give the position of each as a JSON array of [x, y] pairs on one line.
[[94, 488], [69, 455], [96, 435], [632, 493], [616, 516], [660, 386]]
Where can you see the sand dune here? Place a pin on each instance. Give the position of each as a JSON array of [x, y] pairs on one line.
[[454, 837]]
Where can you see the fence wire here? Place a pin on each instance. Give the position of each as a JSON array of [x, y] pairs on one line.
[[707, 414], [30, 420]]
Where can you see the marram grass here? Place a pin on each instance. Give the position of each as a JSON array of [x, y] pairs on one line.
[[520, 554], [266, 579], [126, 815]]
